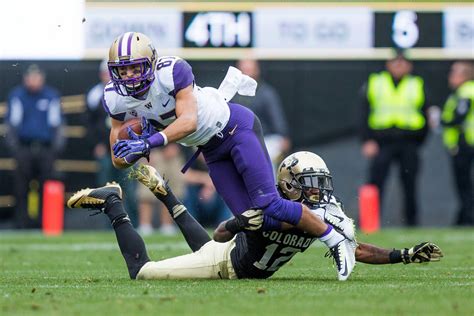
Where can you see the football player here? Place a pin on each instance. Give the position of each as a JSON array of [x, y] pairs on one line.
[[162, 91], [241, 249]]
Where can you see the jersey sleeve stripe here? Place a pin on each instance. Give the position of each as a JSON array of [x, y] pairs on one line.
[[167, 115], [182, 75]]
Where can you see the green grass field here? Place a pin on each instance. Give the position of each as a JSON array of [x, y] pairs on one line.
[[84, 274]]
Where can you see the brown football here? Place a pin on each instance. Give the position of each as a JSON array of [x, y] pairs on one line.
[[134, 123]]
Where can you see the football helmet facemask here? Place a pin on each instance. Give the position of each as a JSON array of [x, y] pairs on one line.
[[304, 177], [134, 51]]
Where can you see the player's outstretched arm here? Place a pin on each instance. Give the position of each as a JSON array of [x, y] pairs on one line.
[[423, 252], [371, 254], [221, 234]]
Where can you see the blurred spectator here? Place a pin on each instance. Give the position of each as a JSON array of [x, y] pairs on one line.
[[168, 161], [266, 104], [458, 135], [98, 129], [98, 125], [201, 197], [394, 126], [35, 138]]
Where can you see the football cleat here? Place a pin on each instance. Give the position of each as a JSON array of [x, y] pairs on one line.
[[149, 177], [332, 214], [343, 224], [94, 198], [344, 256]]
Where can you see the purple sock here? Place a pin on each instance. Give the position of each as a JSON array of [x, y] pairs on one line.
[[328, 230], [331, 237]]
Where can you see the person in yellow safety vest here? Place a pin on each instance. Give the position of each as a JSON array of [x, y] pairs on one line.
[[458, 135], [393, 127]]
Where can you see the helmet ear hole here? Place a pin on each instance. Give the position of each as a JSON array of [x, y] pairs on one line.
[[288, 186]]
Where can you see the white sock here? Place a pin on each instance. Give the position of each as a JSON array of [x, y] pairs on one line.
[[331, 237]]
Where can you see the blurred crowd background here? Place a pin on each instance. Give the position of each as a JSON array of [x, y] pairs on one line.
[[320, 70]]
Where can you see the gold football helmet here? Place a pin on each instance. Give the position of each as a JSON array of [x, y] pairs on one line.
[[303, 176], [132, 50]]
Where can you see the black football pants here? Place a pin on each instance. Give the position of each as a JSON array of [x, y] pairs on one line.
[[406, 154], [33, 162], [462, 163]]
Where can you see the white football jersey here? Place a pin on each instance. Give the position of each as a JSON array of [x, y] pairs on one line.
[[159, 105]]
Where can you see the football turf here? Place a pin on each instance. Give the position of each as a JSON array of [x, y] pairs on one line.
[[84, 274]]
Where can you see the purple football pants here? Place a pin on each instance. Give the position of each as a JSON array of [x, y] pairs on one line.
[[241, 170]]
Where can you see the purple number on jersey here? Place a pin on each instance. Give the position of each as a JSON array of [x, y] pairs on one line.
[[163, 64]]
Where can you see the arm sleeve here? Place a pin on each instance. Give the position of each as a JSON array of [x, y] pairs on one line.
[[118, 116], [462, 109], [54, 113], [15, 110], [13, 119], [56, 122], [182, 76]]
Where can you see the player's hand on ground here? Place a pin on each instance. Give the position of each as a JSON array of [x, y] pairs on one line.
[[125, 147], [423, 252], [248, 220]]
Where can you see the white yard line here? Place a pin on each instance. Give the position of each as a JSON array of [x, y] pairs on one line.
[[8, 243], [92, 246]]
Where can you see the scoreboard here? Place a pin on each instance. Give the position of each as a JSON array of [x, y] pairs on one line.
[[279, 30], [217, 29], [408, 29], [309, 31]]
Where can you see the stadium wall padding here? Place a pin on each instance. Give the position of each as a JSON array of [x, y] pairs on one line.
[[320, 98]]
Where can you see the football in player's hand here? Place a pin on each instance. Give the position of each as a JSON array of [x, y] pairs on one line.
[[134, 123]]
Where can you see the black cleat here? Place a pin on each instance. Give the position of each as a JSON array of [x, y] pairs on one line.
[[94, 198]]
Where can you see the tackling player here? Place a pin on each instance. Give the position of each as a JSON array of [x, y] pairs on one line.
[[162, 90], [244, 250]]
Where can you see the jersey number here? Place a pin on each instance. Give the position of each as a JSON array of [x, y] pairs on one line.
[[164, 62], [279, 261]]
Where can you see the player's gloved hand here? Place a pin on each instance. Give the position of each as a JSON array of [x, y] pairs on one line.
[[125, 148], [424, 252], [248, 220], [147, 130]]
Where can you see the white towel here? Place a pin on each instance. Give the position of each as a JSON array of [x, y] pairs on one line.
[[236, 82]]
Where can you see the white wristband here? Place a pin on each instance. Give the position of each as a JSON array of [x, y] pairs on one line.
[[165, 139]]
